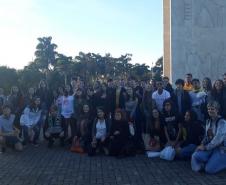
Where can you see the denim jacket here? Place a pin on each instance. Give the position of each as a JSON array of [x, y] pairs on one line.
[[218, 138]]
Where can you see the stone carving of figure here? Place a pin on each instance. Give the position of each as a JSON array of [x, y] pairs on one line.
[[211, 13], [193, 62], [205, 19]]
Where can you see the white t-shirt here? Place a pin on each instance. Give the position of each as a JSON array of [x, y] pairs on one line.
[[101, 129], [67, 106], [160, 98]]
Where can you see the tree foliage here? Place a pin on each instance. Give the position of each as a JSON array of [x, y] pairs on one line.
[[157, 70], [45, 55], [8, 77], [58, 68]]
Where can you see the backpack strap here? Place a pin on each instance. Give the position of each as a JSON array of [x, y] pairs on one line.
[[218, 121]]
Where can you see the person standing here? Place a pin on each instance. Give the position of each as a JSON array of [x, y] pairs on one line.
[[181, 98], [160, 95], [167, 86], [224, 95], [188, 82], [2, 99], [197, 99]]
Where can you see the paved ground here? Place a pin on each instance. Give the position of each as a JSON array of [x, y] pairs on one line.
[[42, 166]]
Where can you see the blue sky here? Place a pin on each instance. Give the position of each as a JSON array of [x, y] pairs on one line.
[[100, 26]]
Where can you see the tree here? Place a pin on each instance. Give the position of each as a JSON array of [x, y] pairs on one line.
[[45, 55], [64, 66], [122, 66], [8, 78], [157, 70], [29, 77], [141, 72]]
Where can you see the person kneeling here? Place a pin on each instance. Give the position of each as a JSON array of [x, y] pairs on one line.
[[9, 134], [53, 128], [31, 121]]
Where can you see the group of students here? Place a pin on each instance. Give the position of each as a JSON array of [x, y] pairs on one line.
[[122, 118]]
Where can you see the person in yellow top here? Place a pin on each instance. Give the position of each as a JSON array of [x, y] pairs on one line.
[[188, 82]]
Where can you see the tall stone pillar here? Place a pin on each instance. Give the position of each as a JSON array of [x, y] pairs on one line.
[[194, 38]]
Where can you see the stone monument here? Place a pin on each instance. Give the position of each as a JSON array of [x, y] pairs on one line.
[[194, 38]]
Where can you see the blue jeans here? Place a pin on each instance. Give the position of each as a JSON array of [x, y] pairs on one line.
[[187, 151], [212, 161]]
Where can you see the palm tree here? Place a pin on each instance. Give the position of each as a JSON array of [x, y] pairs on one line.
[[45, 55]]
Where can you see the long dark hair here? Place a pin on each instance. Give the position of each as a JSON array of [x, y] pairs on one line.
[[160, 116], [173, 108], [32, 104], [128, 96], [103, 110], [193, 115], [209, 84], [214, 92]]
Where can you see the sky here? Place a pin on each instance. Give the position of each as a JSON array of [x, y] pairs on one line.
[[99, 26]]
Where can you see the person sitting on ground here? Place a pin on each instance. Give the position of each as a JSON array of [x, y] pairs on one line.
[[157, 136], [211, 154], [100, 133], [172, 124], [192, 132], [53, 128], [9, 134], [119, 134]]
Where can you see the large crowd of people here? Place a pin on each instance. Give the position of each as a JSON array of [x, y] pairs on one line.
[[121, 118]]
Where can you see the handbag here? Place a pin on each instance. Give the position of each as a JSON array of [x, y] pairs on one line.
[[154, 145], [76, 147], [168, 153]]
